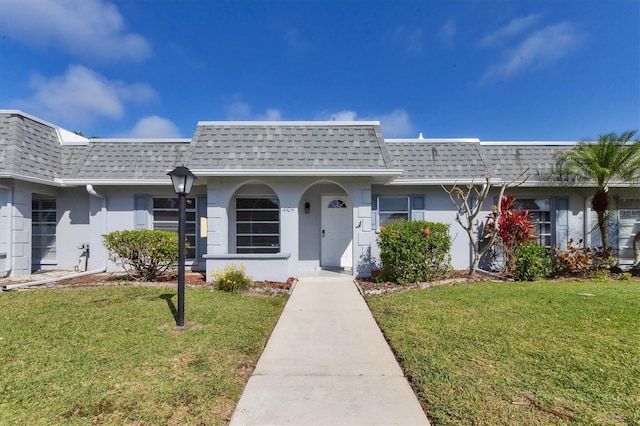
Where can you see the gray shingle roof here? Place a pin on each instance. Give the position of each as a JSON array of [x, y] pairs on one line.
[[506, 161], [431, 160], [32, 149], [288, 146], [29, 148], [103, 159], [464, 160]]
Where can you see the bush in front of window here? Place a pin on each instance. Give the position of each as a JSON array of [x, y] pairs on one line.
[[531, 262], [581, 261], [232, 278], [144, 254], [415, 251], [514, 229]]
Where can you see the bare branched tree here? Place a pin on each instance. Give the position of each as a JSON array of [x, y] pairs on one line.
[[468, 200]]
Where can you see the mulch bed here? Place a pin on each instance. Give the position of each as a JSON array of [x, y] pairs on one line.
[[192, 279], [369, 287]]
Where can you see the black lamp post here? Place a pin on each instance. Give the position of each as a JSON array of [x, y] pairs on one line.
[[182, 180]]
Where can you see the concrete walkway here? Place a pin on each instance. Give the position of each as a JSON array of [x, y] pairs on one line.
[[327, 363]]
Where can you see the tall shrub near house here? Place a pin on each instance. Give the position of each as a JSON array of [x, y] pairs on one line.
[[143, 253], [514, 229], [415, 251]]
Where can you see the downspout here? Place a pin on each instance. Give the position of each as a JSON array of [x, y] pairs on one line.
[[105, 228], [585, 223], [103, 209], [9, 259]]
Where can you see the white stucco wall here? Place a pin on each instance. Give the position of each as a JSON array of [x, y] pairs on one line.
[[439, 208], [73, 228], [84, 218], [5, 230], [299, 231]]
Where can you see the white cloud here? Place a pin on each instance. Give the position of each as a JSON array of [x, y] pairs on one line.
[[512, 29], [80, 95], [86, 28], [241, 111], [270, 115], [343, 116], [539, 49], [295, 41], [407, 39], [448, 32], [154, 127], [394, 124], [238, 111]]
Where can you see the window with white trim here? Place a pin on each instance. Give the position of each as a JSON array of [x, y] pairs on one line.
[[257, 225], [540, 215], [392, 209], [386, 209], [43, 231], [166, 215]]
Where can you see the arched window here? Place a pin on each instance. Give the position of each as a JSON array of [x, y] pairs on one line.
[[337, 204]]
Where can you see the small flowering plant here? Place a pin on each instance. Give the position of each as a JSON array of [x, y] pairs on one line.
[[232, 278]]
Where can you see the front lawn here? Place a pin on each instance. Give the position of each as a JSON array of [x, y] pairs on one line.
[[113, 355], [520, 353]]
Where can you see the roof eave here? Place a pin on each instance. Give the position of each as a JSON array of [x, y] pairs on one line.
[[379, 176], [33, 179], [115, 182], [496, 182], [296, 172]]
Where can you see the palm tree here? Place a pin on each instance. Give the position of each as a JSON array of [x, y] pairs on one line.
[[612, 158]]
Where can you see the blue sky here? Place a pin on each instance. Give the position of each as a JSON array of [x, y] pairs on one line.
[[494, 70]]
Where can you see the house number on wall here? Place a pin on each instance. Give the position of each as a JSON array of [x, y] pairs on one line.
[[629, 213], [287, 209]]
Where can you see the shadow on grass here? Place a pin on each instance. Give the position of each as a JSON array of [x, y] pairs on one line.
[[168, 298]]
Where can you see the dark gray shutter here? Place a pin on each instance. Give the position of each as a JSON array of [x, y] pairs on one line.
[[374, 212]]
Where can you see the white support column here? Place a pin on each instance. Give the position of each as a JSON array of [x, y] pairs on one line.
[[217, 221]]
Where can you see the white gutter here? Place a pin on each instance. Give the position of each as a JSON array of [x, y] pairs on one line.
[[297, 172], [93, 192], [9, 259], [586, 222], [103, 209]]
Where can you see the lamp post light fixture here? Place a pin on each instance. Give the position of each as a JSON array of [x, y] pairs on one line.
[[182, 180]]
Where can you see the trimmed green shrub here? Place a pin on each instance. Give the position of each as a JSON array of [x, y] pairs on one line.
[[232, 278], [143, 253], [415, 251], [532, 261]]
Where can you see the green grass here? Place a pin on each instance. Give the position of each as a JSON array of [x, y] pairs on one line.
[[520, 353], [113, 355]]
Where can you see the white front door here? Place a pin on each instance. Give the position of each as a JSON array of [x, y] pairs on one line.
[[337, 233]]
